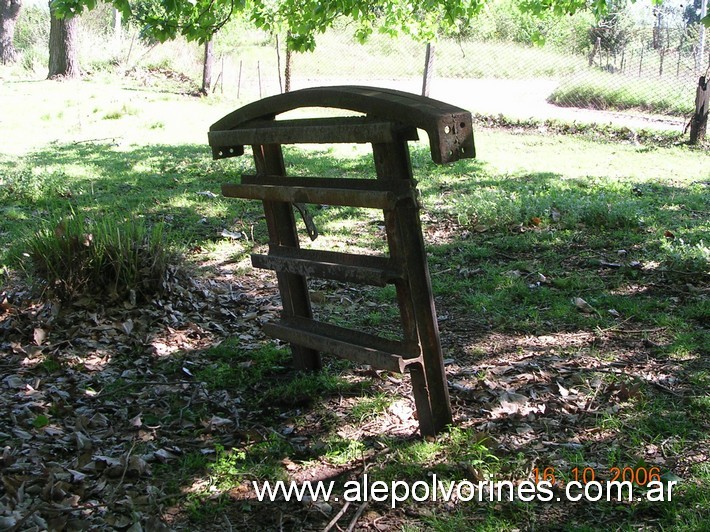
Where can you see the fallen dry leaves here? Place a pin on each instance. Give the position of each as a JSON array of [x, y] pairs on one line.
[[84, 406], [80, 395]]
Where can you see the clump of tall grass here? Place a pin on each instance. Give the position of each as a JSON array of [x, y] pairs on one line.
[[115, 259], [604, 91]]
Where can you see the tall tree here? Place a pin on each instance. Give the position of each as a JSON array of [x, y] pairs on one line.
[[9, 13], [207, 68], [63, 44]]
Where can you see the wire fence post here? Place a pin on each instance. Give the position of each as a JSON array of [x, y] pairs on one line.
[[428, 69], [239, 79], [258, 74]]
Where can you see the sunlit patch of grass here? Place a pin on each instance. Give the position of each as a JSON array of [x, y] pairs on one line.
[[421, 453], [305, 388], [456, 455], [125, 110], [258, 460], [367, 408], [341, 451]]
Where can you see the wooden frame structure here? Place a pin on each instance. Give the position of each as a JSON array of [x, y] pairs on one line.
[[387, 120]]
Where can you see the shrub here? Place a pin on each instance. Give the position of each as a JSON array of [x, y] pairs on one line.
[[74, 258], [605, 91]]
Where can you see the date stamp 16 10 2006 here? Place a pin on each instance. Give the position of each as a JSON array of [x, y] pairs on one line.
[[547, 484], [617, 483]]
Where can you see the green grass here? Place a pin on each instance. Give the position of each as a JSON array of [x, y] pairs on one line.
[[227, 366], [158, 185], [598, 90], [72, 258], [598, 197], [368, 408], [513, 237]]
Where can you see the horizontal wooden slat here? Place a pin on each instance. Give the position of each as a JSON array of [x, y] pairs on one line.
[[354, 345], [382, 185], [347, 129], [346, 267], [326, 195]]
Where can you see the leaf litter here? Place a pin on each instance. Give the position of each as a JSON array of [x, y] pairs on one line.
[[88, 414]]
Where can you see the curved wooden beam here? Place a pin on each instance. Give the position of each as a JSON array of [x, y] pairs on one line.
[[448, 127]]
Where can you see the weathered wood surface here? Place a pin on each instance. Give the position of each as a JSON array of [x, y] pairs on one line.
[[345, 267], [370, 199], [414, 294], [354, 345], [282, 232], [448, 127], [345, 129]]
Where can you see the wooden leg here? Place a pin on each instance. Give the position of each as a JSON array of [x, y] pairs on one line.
[[282, 232], [425, 312], [415, 296]]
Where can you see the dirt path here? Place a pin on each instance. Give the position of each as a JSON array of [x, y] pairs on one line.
[[522, 99], [37, 113]]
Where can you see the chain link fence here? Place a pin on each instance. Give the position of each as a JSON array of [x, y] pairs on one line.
[[637, 59], [645, 61]]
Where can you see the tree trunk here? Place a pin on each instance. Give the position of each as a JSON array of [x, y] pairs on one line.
[[699, 122], [207, 69], [9, 13], [288, 67], [63, 47]]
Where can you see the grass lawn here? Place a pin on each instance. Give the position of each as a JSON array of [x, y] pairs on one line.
[[571, 282], [599, 90]]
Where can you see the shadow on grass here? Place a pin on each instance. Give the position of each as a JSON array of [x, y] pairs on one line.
[[508, 253]]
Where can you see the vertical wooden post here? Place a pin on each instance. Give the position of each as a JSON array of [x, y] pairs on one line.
[[278, 64], [287, 68], [117, 29], [282, 232], [701, 35], [699, 122], [597, 46], [258, 73], [415, 298]]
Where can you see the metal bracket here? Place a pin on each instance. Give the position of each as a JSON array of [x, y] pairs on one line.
[[311, 228]]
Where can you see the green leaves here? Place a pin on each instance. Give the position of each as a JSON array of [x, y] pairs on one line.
[[304, 19], [69, 8]]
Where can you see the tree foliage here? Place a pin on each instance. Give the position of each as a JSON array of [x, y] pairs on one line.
[[304, 19]]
